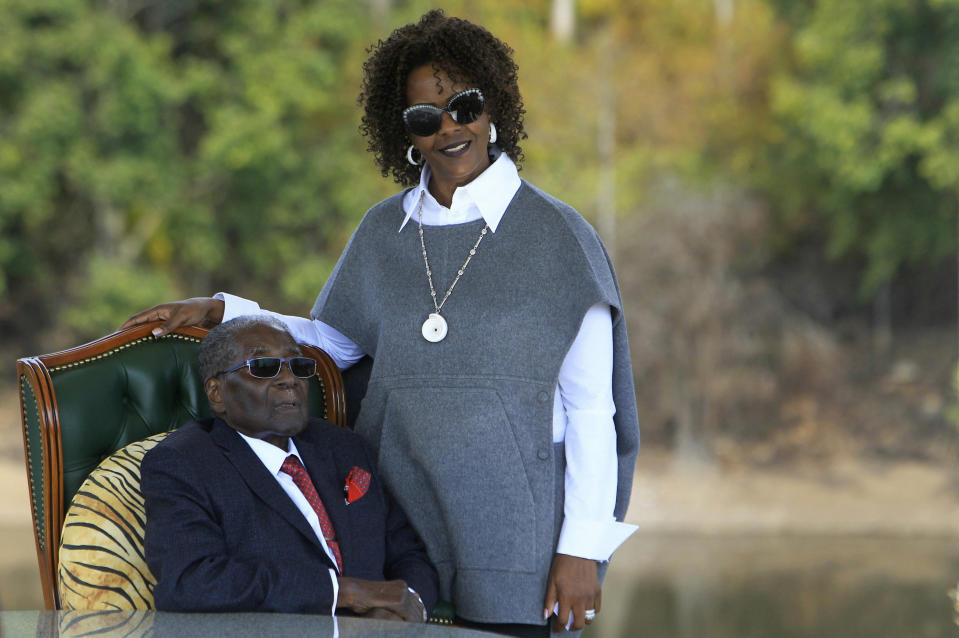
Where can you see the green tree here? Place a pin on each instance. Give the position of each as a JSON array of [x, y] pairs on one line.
[[154, 150], [84, 124], [865, 126]]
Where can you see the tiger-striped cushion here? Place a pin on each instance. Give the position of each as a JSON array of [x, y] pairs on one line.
[[105, 624], [102, 565]]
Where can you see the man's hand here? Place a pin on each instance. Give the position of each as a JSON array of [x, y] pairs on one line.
[[372, 597], [381, 614], [574, 584], [198, 311]]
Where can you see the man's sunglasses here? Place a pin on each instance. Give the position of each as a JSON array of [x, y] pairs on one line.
[[425, 119], [269, 367]]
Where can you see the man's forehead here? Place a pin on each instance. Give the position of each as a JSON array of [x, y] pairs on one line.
[[258, 348], [265, 339]]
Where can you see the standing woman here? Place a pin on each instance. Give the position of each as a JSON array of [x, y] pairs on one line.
[[501, 399]]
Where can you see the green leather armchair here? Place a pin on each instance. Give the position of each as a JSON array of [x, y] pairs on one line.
[[81, 405]]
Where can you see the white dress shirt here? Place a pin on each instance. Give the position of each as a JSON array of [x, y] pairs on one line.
[[272, 458], [583, 403]]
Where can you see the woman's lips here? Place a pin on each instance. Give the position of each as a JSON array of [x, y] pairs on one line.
[[455, 150]]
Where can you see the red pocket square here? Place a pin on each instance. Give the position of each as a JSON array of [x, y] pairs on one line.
[[357, 483]]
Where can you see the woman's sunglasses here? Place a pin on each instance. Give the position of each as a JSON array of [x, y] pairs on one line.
[[269, 367], [425, 119]]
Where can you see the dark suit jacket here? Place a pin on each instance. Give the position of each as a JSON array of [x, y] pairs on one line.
[[222, 535]]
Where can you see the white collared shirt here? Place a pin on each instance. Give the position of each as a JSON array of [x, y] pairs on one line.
[[487, 196], [272, 458], [583, 402]]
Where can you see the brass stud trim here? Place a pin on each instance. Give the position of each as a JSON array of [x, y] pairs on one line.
[[104, 355], [38, 526]]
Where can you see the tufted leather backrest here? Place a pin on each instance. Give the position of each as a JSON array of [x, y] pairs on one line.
[[135, 392], [82, 405]]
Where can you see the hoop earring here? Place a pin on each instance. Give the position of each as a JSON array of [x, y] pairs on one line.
[[409, 156], [492, 133]]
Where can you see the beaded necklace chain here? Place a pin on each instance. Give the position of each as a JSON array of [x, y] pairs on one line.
[[435, 326]]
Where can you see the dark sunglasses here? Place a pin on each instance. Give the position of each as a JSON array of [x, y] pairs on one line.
[[269, 367], [425, 119]]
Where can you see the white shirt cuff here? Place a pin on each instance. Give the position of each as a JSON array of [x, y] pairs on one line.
[[596, 540], [234, 306]]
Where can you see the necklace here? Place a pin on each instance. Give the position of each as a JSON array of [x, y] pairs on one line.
[[435, 327]]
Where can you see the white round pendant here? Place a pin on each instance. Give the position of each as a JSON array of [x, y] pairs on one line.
[[434, 328]]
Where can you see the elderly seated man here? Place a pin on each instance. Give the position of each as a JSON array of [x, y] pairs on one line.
[[264, 509]]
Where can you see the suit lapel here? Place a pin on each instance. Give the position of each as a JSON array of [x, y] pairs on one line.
[[259, 480], [329, 485]]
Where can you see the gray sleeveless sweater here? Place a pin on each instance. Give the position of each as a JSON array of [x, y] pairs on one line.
[[463, 427]]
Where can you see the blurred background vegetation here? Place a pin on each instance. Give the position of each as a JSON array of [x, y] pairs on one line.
[[778, 181]]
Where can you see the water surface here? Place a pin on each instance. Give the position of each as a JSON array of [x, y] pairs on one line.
[[688, 586]]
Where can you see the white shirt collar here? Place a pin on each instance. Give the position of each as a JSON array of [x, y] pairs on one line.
[[487, 196], [270, 455]]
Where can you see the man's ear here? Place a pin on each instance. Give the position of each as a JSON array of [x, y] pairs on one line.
[[213, 395]]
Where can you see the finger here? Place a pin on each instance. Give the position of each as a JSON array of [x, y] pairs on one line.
[[593, 606], [389, 615], [143, 317], [177, 315], [382, 614], [562, 616], [414, 613], [408, 612], [576, 619], [550, 600], [398, 599], [420, 614], [407, 609], [579, 617], [176, 319], [588, 620]]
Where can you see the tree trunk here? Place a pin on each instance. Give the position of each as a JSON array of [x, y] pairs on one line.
[[882, 322], [606, 146], [379, 12], [562, 20], [724, 12]]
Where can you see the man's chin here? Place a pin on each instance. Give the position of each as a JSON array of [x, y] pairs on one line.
[[288, 424]]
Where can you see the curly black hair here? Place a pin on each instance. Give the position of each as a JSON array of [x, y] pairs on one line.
[[467, 53]]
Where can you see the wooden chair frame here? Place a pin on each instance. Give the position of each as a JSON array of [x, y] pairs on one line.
[[46, 463]]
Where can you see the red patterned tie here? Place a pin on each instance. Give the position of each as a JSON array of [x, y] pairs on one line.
[[295, 469]]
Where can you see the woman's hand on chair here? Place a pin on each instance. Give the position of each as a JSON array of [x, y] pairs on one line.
[[197, 311]]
